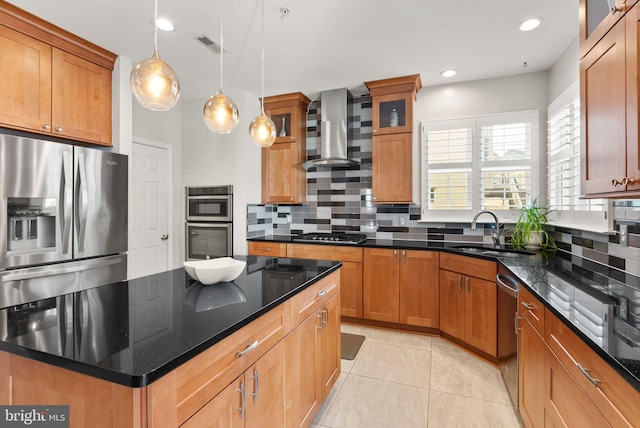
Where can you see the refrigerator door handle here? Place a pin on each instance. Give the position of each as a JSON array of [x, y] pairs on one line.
[[66, 203], [41, 272], [82, 203]]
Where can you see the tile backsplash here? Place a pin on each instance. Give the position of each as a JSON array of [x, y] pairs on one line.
[[340, 200]]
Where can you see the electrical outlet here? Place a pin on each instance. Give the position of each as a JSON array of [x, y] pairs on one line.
[[624, 235]]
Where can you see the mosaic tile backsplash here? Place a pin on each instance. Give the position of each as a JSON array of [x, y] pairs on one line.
[[339, 200]]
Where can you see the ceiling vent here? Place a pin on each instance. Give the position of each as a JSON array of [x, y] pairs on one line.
[[210, 44]]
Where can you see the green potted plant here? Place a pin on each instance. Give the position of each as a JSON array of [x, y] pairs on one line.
[[529, 230]]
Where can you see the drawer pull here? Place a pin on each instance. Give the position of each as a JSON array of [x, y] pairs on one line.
[[585, 372], [248, 349], [242, 400], [323, 293], [528, 306], [325, 317], [255, 385], [268, 250]]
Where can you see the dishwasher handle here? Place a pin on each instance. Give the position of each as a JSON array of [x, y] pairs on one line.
[[507, 284]]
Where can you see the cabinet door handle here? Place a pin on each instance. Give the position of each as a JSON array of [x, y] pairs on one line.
[[466, 282], [404, 256], [59, 129], [626, 181], [459, 282], [395, 256], [615, 182], [516, 323], [375, 131], [321, 321], [325, 317], [528, 306], [248, 349], [242, 400], [46, 126], [254, 394], [585, 372]]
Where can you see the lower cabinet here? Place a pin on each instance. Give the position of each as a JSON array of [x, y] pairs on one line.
[[260, 397], [316, 342], [531, 392], [401, 286]]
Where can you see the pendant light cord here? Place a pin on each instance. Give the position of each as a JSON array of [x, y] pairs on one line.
[[221, 40], [155, 28], [262, 59]]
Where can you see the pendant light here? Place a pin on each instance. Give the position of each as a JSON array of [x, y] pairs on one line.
[[262, 129], [220, 112], [154, 83]]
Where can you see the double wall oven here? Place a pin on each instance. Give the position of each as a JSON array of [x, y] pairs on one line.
[[209, 222]]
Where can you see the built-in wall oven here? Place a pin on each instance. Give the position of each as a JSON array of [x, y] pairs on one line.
[[209, 225]]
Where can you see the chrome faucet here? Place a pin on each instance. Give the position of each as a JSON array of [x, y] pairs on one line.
[[495, 234]]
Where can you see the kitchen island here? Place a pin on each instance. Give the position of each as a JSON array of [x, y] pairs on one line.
[[164, 350]]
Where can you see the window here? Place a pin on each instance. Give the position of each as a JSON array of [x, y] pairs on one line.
[[563, 162], [481, 163]]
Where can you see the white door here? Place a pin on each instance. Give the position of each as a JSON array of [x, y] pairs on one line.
[[149, 205]]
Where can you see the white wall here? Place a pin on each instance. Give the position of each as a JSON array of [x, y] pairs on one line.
[[166, 127], [490, 96], [214, 159], [565, 71]]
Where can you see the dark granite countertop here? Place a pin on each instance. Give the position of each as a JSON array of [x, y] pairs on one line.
[[601, 305], [136, 331]]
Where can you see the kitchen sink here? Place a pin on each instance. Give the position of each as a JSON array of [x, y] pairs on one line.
[[495, 252]]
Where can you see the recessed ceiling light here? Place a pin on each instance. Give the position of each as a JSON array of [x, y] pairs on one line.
[[164, 24], [448, 73], [530, 24]]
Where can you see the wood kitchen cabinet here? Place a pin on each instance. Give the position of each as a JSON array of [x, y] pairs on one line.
[[54, 83], [610, 97], [401, 286], [283, 178], [269, 249], [596, 19], [395, 151], [468, 301], [350, 272]]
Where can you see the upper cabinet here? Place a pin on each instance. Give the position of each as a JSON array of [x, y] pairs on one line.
[[395, 150], [283, 178], [53, 82], [609, 95], [596, 19]]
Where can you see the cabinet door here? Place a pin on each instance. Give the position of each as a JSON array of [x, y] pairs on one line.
[[289, 118], [633, 96], [452, 304], [279, 184], [603, 104], [392, 168], [531, 350], [81, 100], [480, 314], [419, 288], [268, 391], [25, 85], [381, 287], [330, 345], [224, 411], [351, 289], [596, 18], [392, 113], [307, 388], [566, 404]]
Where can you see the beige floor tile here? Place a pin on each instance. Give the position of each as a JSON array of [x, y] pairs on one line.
[[330, 398], [371, 403], [408, 366], [401, 339], [467, 375], [347, 365], [356, 329], [453, 411], [439, 344]]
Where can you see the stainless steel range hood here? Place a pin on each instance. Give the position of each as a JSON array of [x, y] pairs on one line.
[[336, 109]]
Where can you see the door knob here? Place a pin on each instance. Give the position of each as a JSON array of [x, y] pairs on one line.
[[164, 237]]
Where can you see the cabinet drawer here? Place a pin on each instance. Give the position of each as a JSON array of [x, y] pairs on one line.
[[531, 309], [324, 252], [306, 302], [480, 268], [269, 249], [612, 395], [177, 396]]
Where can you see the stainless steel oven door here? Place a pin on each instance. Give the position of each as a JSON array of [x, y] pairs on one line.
[[210, 208], [208, 240]]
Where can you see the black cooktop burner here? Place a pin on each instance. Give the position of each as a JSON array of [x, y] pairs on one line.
[[330, 238]]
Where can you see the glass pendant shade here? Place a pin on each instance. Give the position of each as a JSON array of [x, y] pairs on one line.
[[220, 113], [263, 130], [155, 84]]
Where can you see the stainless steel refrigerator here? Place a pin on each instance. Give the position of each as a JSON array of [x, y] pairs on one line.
[[63, 218]]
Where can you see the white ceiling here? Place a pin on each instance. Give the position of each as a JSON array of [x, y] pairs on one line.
[[325, 44]]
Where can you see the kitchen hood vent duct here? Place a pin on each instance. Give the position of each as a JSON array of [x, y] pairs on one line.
[[336, 109]]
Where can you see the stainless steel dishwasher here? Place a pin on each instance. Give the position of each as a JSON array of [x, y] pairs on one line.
[[507, 331]]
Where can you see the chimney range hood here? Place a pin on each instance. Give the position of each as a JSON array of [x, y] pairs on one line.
[[336, 109]]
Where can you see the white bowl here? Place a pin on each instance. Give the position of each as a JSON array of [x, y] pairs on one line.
[[222, 269]]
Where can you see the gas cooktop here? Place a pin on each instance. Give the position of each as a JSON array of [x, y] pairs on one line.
[[332, 238]]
